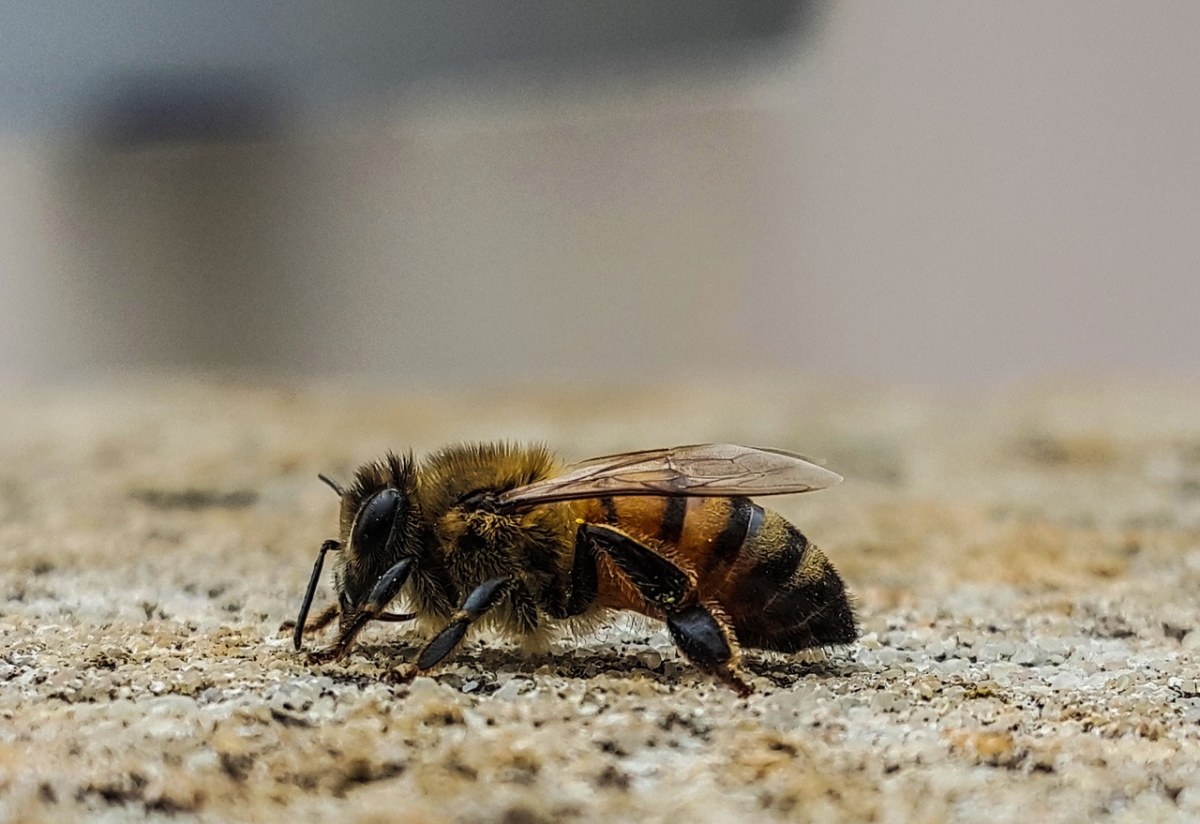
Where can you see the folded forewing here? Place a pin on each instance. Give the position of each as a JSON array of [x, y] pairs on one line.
[[713, 469]]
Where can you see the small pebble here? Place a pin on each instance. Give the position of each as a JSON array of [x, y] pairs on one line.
[[650, 659], [510, 689]]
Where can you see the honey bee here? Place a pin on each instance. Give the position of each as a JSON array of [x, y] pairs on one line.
[[499, 530]]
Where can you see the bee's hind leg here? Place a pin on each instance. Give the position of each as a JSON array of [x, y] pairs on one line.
[[700, 630], [704, 636]]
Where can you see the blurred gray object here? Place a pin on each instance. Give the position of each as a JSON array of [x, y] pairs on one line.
[[256, 185], [939, 192], [144, 71]]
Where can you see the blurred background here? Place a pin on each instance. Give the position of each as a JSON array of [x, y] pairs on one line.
[[454, 193]]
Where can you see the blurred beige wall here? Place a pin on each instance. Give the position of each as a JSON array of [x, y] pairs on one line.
[[933, 191]]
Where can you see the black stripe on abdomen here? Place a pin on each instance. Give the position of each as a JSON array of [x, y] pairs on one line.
[[674, 514], [745, 517], [609, 507]]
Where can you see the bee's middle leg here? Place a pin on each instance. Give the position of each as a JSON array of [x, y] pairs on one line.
[[700, 630], [477, 603], [582, 583]]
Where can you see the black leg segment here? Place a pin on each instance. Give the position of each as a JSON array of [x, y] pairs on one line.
[[703, 636], [482, 598], [442, 644], [311, 590], [316, 623], [583, 585], [699, 637], [388, 586], [660, 581], [395, 617]]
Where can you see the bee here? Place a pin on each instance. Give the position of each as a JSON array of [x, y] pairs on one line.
[[499, 532]]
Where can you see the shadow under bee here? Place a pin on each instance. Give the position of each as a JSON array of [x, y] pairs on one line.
[[478, 667]]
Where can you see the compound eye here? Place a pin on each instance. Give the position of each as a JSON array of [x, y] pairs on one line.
[[375, 519]]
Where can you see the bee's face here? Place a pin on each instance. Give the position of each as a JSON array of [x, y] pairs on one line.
[[379, 527]]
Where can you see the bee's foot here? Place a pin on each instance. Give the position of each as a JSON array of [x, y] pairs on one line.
[[735, 682], [403, 674], [327, 656]]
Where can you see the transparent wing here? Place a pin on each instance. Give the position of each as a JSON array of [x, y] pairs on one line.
[[711, 469]]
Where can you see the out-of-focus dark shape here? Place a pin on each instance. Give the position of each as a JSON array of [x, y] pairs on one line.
[[146, 71], [199, 106]]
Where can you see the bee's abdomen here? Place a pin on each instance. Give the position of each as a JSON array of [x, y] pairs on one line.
[[704, 535], [780, 591], [708, 532], [783, 593]]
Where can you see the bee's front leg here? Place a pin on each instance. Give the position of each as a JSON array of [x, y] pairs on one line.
[[316, 623], [386, 588], [300, 625]]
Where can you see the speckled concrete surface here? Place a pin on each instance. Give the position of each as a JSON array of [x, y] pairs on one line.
[[1026, 567]]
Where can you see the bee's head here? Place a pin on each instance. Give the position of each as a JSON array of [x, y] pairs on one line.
[[380, 524]]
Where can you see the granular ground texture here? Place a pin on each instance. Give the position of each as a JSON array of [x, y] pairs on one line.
[[1026, 568]]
